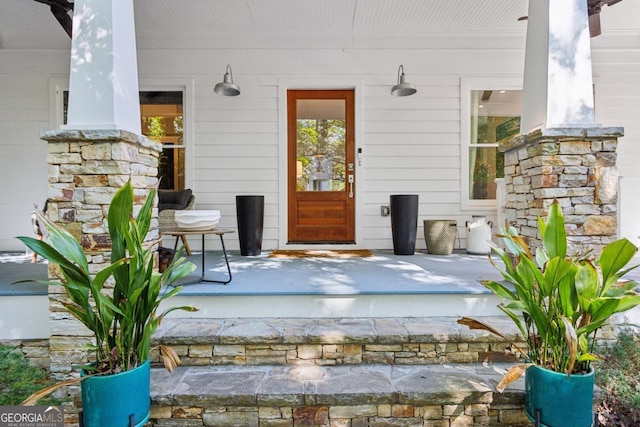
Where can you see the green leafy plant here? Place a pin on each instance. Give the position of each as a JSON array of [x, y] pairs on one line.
[[557, 301], [619, 380], [18, 379], [123, 318], [481, 174]]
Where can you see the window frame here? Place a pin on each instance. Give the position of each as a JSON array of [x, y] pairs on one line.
[[467, 85], [57, 87]]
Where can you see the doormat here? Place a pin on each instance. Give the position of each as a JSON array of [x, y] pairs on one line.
[[319, 253]]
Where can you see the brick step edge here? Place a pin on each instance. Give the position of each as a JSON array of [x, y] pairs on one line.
[[368, 394], [286, 341]]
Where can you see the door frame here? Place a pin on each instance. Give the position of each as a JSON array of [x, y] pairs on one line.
[[285, 84]]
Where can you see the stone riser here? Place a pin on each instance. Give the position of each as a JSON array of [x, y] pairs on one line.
[[366, 415], [348, 354], [323, 342], [374, 395]]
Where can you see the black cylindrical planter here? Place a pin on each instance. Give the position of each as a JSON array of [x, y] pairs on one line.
[[404, 223], [250, 213]]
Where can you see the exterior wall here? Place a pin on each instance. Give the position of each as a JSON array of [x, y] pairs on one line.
[[410, 145], [617, 102], [24, 89]]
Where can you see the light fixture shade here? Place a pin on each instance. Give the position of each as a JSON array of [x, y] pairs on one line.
[[403, 88], [226, 87]]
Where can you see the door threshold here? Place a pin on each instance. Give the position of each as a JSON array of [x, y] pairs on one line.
[[323, 245]]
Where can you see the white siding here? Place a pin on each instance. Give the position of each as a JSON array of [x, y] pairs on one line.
[[410, 145], [24, 111], [618, 104]]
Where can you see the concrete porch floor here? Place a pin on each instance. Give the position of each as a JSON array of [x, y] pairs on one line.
[[384, 285], [382, 273]]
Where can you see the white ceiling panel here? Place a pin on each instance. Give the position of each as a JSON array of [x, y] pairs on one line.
[[192, 16], [439, 15], [316, 16], [28, 23]]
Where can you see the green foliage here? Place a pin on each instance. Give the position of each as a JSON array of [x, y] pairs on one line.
[[619, 377], [122, 320], [481, 173], [155, 127], [18, 379], [324, 137], [499, 165], [178, 125], [558, 302]]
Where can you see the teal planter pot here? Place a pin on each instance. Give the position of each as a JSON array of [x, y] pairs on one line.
[[562, 401], [111, 399]]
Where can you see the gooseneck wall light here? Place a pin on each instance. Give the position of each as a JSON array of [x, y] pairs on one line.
[[402, 88], [226, 87]]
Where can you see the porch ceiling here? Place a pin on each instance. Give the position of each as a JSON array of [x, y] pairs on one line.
[[30, 24]]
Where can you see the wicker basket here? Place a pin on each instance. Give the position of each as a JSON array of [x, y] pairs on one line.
[[440, 235]]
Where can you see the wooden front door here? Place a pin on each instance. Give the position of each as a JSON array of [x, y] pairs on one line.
[[321, 168]]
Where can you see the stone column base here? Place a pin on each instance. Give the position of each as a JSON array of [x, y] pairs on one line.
[[576, 167]]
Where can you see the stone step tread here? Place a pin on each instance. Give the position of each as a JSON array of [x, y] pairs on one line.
[[395, 330], [275, 386]]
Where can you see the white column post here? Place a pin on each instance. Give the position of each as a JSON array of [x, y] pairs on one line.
[[558, 83], [103, 81]]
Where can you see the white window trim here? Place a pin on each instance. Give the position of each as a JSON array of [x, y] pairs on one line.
[[466, 86], [187, 86], [57, 86]]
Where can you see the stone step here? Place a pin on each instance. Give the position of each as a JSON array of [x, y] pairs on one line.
[[363, 395], [329, 341]]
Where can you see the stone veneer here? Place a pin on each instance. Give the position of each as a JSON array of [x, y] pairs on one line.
[[35, 351], [86, 168], [496, 410], [577, 167], [334, 342], [335, 360]]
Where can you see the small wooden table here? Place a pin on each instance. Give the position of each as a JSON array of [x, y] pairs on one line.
[[217, 231]]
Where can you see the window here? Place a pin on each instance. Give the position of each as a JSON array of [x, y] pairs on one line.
[[161, 116], [162, 120], [492, 117], [321, 137]]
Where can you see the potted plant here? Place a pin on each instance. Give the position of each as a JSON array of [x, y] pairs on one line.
[[559, 302], [123, 318]]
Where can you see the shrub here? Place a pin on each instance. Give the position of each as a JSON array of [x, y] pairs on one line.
[[619, 378], [18, 379]]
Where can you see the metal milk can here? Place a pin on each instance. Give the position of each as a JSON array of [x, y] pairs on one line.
[[478, 235]]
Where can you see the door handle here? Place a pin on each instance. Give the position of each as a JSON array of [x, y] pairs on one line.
[[350, 179]]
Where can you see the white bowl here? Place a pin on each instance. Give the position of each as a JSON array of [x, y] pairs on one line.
[[195, 220]]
